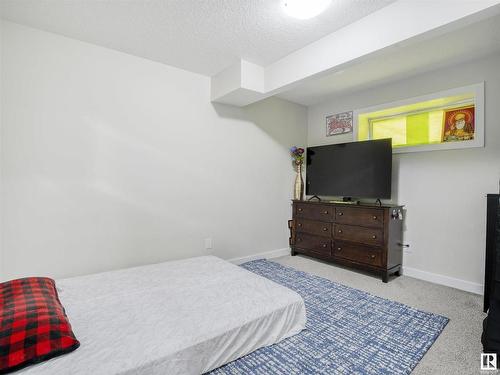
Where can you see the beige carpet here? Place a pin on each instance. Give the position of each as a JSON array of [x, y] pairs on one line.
[[457, 350]]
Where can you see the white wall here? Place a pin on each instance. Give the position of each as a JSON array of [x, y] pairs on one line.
[[444, 191], [110, 160]]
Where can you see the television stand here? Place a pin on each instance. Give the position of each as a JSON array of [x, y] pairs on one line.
[[345, 202], [362, 236], [314, 197]]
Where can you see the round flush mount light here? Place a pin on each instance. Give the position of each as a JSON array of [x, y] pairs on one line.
[[304, 9]]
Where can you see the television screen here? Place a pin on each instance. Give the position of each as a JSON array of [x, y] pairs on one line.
[[357, 169]]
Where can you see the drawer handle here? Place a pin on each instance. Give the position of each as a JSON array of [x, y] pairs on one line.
[[375, 217], [374, 236], [341, 213], [299, 239], [340, 230], [325, 229], [299, 224], [339, 249], [324, 245], [300, 209], [325, 212], [372, 256]]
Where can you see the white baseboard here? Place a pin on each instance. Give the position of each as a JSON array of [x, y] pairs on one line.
[[266, 255], [435, 278], [468, 286]]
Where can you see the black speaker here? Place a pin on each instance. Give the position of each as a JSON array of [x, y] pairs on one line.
[[491, 324], [491, 329]]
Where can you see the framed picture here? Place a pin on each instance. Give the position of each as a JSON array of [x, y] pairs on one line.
[[340, 123], [459, 124]]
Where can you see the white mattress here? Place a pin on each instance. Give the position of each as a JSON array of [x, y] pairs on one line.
[[181, 317]]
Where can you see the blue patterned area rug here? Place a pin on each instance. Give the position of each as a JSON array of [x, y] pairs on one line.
[[348, 331]]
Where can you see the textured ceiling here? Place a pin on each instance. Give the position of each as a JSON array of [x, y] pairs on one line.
[[202, 36]]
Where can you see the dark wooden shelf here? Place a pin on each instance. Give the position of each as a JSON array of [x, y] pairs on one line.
[[491, 325], [361, 236]]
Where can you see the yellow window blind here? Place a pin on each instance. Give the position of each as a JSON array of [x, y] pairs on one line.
[[410, 130]]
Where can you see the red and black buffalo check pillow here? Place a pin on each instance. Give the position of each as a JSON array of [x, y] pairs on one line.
[[33, 323]]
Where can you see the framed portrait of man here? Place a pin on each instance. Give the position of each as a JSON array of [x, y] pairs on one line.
[[459, 124]]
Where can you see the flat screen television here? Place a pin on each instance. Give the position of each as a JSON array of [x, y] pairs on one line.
[[356, 169]]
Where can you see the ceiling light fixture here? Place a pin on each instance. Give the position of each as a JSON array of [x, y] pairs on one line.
[[304, 9]]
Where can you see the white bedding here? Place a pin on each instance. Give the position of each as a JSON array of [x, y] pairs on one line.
[[182, 317]]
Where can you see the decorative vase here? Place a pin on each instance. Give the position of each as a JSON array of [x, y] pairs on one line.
[[298, 191]]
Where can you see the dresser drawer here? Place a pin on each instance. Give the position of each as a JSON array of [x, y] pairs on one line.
[[317, 228], [370, 236], [358, 253], [313, 243], [367, 217], [314, 211]]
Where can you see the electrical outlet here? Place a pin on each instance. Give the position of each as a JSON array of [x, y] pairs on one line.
[[208, 244]]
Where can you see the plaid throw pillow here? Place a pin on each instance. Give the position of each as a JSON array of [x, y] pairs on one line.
[[33, 323]]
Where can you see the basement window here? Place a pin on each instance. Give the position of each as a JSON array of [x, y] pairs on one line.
[[451, 119]]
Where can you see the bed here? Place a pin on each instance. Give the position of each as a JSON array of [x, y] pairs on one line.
[[181, 317]]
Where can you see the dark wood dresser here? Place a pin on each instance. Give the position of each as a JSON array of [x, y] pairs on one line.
[[362, 236], [491, 325]]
